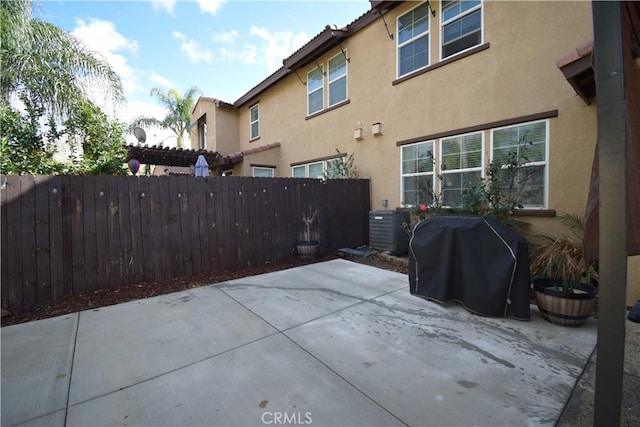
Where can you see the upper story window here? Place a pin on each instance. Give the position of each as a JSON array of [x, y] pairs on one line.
[[527, 144], [417, 173], [413, 40], [461, 166], [254, 122], [202, 132], [264, 171], [315, 90], [337, 79], [461, 23]]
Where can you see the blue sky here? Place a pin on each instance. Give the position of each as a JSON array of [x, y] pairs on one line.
[[224, 47]]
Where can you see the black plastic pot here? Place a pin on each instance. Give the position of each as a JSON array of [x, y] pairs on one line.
[[564, 308]]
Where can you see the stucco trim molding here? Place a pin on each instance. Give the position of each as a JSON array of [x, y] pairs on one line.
[[326, 110], [442, 63], [319, 159], [483, 126]]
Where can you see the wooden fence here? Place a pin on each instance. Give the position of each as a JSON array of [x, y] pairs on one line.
[[63, 234]]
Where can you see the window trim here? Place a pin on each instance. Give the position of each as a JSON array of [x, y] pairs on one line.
[[442, 172], [460, 16], [202, 136], [399, 45], [432, 173], [251, 137], [345, 76], [545, 163], [272, 169], [321, 88]]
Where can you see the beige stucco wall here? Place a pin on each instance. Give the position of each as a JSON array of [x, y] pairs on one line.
[[516, 76]]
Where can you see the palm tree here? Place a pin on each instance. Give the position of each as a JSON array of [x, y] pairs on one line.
[[178, 111], [47, 65]]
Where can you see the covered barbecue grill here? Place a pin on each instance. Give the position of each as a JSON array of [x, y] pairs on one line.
[[474, 260]]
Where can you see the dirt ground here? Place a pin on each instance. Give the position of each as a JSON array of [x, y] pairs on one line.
[[78, 302]]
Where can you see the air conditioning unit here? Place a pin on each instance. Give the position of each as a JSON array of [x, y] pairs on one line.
[[386, 232]]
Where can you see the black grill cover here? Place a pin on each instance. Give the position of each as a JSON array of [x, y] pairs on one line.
[[475, 260]]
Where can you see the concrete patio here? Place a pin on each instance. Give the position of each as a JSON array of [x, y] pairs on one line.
[[334, 343]]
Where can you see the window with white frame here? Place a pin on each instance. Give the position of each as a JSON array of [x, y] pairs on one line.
[[413, 40], [315, 90], [318, 169], [461, 166], [254, 122], [337, 79], [526, 144], [263, 171], [417, 173], [461, 23]]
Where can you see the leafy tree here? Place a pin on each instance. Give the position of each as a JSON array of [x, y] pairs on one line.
[[23, 148], [48, 65], [102, 141], [178, 111]]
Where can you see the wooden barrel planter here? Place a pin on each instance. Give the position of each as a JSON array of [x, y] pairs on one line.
[[564, 308], [308, 248]]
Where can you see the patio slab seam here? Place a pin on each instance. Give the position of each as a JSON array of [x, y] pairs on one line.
[[195, 362], [73, 356], [360, 300]]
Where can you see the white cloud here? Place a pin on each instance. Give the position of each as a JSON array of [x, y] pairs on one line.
[[279, 44], [192, 48], [161, 81], [210, 6], [247, 54], [226, 36], [166, 5], [103, 38]]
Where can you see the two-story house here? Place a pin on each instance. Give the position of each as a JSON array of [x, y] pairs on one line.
[[424, 94]]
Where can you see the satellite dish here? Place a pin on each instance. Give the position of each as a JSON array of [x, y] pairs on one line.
[[140, 135]]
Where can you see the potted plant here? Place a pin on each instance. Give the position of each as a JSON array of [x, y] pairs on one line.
[[308, 243], [564, 284]]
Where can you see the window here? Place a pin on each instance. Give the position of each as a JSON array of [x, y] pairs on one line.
[[527, 142], [254, 122], [417, 173], [202, 132], [461, 166], [413, 40], [461, 26], [318, 169], [315, 90], [263, 171], [337, 79]]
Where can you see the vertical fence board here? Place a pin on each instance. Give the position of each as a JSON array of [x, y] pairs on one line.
[[43, 240], [4, 248], [193, 227], [225, 210], [56, 239], [126, 246], [185, 226], [90, 237], [77, 236], [161, 221], [14, 264], [175, 238], [100, 197], [28, 240], [68, 205], [113, 268], [156, 227], [137, 257], [146, 230], [211, 225], [203, 230]]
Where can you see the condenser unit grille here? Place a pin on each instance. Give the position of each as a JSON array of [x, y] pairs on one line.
[[386, 232]]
